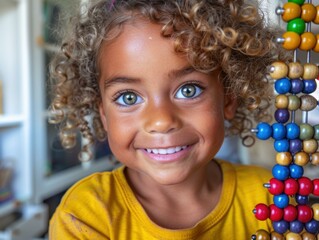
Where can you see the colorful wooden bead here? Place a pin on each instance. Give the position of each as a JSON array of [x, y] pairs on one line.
[[315, 190], [306, 131], [280, 226], [296, 171], [308, 12], [275, 186], [305, 186], [315, 210], [290, 213], [312, 226], [284, 158], [296, 85], [316, 129], [301, 158], [316, 20], [308, 41], [281, 101], [276, 213], [310, 86], [296, 226], [295, 146], [300, 2], [281, 145], [261, 212], [295, 70], [305, 213], [293, 102], [278, 131], [276, 236], [316, 48], [264, 131], [261, 234], [291, 186], [301, 199], [310, 146], [308, 102], [278, 70], [290, 40], [282, 85], [280, 172], [293, 131], [282, 115], [308, 236], [281, 200], [310, 71], [296, 25], [293, 236], [289, 11], [315, 159]]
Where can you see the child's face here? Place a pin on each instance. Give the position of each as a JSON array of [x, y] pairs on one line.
[[164, 120]]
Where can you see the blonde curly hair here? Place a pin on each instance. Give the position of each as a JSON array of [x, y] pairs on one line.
[[226, 34]]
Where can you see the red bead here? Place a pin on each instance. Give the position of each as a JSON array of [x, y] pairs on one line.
[[276, 186], [290, 213], [261, 211], [276, 213], [305, 213], [305, 186], [315, 187], [291, 186]]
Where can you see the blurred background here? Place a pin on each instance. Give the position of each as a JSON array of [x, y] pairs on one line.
[[35, 170]]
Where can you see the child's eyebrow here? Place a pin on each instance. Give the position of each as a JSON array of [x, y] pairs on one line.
[[181, 72], [111, 81]]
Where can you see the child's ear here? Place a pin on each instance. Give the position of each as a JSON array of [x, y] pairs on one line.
[[230, 107], [102, 116]]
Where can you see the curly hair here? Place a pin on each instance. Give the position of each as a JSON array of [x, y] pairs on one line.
[[226, 34]]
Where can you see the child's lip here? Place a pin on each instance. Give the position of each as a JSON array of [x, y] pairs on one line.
[[165, 151], [168, 157]]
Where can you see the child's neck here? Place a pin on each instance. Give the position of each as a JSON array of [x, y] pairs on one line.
[[182, 205]]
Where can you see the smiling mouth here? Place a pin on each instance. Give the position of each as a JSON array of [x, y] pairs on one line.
[[165, 151]]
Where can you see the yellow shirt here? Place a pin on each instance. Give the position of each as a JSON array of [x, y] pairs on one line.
[[103, 206]]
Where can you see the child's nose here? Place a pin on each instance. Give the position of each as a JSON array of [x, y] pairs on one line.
[[162, 118]]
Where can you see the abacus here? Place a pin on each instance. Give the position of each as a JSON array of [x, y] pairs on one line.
[[296, 144]]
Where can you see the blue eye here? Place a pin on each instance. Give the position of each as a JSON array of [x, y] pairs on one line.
[[189, 91], [128, 99]]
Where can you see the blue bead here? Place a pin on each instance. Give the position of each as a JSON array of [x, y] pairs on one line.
[[301, 200], [310, 86], [280, 226], [293, 130], [296, 226], [281, 145], [295, 146], [312, 226], [296, 86], [296, 171], [278, 131], [280, 172], [281, 200], [264, 131], [282, 85], [282, 115]]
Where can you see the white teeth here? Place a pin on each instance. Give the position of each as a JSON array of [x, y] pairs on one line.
[[164, 151]]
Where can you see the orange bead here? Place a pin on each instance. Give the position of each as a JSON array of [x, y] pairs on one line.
[[295, 69], [281, 101], [308, 41], [283, 158], [291, 11], [291, 40], [310, 146], [315, 209], [316, 48], [310, 71], [308, 12], [316, 20], [278, 70], [301, 158], [315, 159]]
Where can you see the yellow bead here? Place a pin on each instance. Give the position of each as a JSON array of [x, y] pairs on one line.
[[316, 20], [276, 236], [315, 159], [316, 48], [310, 71], [310, 146], [308, 12], [308, 236], [294, 102], [281, 101], [315, 209], [295, 69], [308, 41], [278, 70], [301, 158], [262, 234], [291, 11], [293, 236], [283, 158], [292, 40]]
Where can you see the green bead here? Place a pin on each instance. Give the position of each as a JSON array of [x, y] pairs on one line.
[[306, 131], [316, 130], [300, 2], [293, 102], [296, 25]]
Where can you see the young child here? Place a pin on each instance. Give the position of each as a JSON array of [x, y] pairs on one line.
[[160, 78]]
